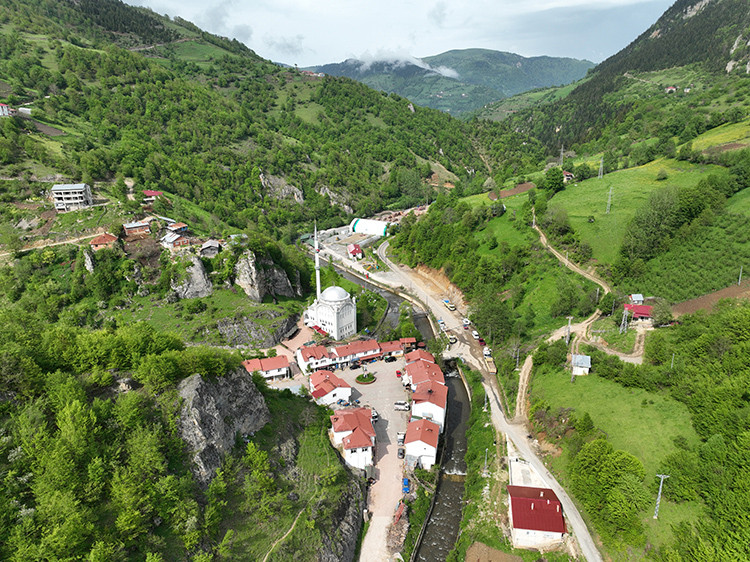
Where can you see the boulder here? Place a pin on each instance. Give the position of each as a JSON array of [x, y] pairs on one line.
[[213, 413], [260, 277], [195, 283]]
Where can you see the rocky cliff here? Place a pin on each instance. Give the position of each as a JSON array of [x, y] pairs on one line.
[[260, 277], [213, 413], [340, 537], [195, 283], [248, 331]]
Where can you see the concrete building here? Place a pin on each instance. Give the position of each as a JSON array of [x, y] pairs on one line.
[[334, 310], [369, 227], [326, 388], [71, 196], [429, 401], [172, 241], [581, 364], [136, 228], [420, 443], [353, 430], [270, 368], [536, 517], [210, 249]]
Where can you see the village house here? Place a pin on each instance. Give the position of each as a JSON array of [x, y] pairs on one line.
[[568, 176], [419, 355], [102, 241], [636, 298], [581, 364], [355, 251], [326, 388], [429, 401], [312, 358], [391, 348], [178, 227], [408, 343], [71, 196], [420, 443], [638, 311], [353, 430], [356, 351], [172, 241], [136, 228], [536, 517], [210, 249], [149, 196], [422, 371], [5, 110], [271, 367]]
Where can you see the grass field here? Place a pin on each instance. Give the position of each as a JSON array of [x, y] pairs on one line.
[[630, 190], [725, 134], [606, 329], [739, 203], [634, 420]]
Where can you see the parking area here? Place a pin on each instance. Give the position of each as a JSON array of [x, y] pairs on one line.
[[385, 492]]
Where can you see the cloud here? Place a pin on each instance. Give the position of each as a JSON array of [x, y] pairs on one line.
[[402, 59], [438, 14], [286, 45]]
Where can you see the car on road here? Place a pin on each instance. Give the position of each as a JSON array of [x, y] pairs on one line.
[[481, 341], [452, 338], [401, 406], [475, 334], [400, 437], [398, 374], [375, 416], [401, 453], [487, 352]]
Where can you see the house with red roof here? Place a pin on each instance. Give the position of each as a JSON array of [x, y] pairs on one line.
[[420, 443], [353, 431], [408, 343], [639, 311], [419, 355], [429, 401], [355, 251], [149, 196], [270, 368], [102, 241], [313, 357], [422, 371], [394, 348], [536, 517], [326, 388], [357, 350]]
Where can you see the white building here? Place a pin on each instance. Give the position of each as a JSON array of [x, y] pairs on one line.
[[581, 364], [326, 388], [313, 357], [271, 368], [369, 227], [421, 443], [429, 402], [334, 310], [536, 517], [353, 430], [71, 196]]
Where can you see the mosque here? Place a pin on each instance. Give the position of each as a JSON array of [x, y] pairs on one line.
[[334, 310]]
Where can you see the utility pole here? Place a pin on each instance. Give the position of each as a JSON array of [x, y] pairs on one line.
[[658, 498], [740, 279], [567, 331], [601, 168], [562, 151], [609, 200], [624, 323], [597, 295], [671, 367]]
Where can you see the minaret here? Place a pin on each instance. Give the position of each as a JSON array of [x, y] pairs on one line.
[[317, 262]]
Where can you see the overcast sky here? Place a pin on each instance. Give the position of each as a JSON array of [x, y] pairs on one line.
[[307, 33]]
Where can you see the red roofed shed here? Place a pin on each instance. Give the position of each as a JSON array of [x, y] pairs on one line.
[[536, 509], [638, 310]]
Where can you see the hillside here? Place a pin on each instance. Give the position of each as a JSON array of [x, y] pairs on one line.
[[460, 81]]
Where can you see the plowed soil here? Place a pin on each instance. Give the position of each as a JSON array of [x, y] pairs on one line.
[[707, 302]]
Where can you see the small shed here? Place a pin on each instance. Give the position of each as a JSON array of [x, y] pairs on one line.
[[581, 364], [210, 248], [636, 298], [355, 251]]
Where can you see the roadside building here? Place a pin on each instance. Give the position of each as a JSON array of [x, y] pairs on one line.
[[326, 388], [172, 241], [314, 357], [178, 227], [639, 311], [369, 227], [102, 241], [391, 348], [420, 443], [536, 517], [355, 251], [271, 367], [363, 350], [408, 344], [581, 364], [429, 401], [422, 371], [136, 228], [353, 431], [71, 196]]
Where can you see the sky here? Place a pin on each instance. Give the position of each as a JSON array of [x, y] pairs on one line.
[[308, 33]]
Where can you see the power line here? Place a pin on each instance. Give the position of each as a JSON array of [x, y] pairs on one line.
[[624, 323]]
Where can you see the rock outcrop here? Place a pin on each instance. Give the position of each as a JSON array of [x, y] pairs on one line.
[[259, 277], [88, 260], [249, 331], [213, 413], [196, 283], [278, 188], [340, 542]]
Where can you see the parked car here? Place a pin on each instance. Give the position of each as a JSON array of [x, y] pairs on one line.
[[452, 338], [481, 341], [475, 334], [375, 416], [467, 322], [355, 366], [401, 406], [390, 359], [487, 352], [405, 487], [401, 453], [398, 374], [400, 437]]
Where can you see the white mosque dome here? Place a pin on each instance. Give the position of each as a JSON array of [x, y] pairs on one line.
[[334, 294]]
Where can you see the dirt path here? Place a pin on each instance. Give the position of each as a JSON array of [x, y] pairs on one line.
[[270, 550], [46, 244]]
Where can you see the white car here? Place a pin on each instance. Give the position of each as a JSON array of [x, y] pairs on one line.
[[487, 352], [467, 321], [475, 334]]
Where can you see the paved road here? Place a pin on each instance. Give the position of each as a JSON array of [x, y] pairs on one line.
[[515, 432]]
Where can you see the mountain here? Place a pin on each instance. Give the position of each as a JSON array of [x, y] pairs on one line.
[[458, 81]]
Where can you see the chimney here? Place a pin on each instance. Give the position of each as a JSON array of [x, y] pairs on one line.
[[541, 493], [532, 505], [558, 509]]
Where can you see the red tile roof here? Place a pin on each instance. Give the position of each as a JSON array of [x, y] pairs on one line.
[[151, 193], [418, 354], [354, 249], [324, 382], [390, 346], [432, 392], [349, 420], [315, 352], [357, 439], [536, 509], [102, 239], [408, 340], [423, 430], [269, 364], [421, 372], [639, 310], [365, 346]]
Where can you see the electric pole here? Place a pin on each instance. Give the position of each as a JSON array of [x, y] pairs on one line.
[[658, 498], [601, 168], [624, 323], [609, 200], [562, 151], [567, 331], [740, 279]]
